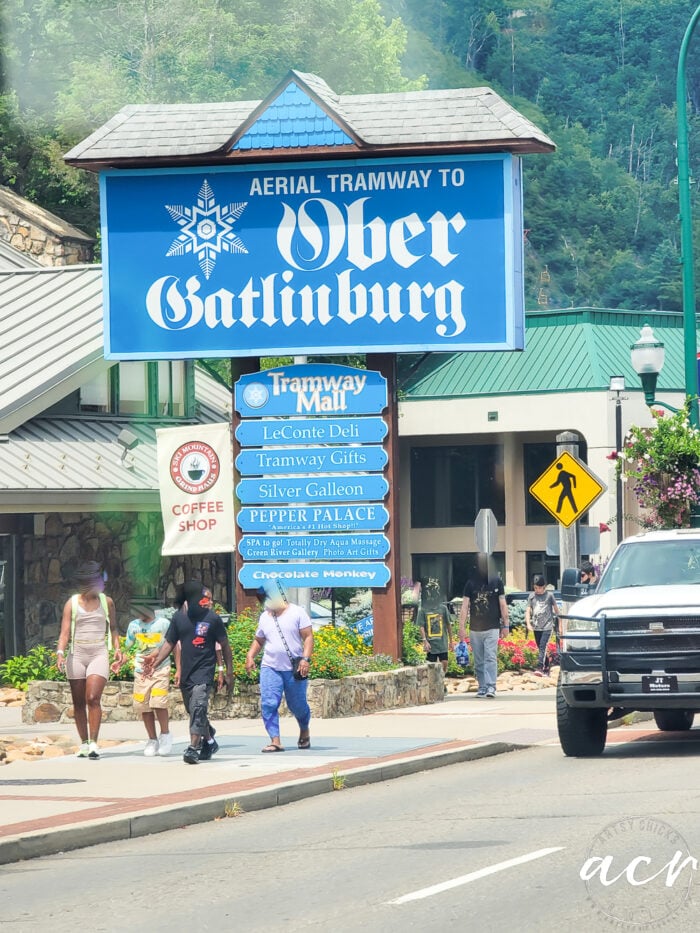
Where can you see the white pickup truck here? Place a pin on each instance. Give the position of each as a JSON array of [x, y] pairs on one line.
[[633, 643]]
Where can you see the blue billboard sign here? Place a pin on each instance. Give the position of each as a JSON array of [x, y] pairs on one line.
[[370, 546], [340, 488], [327, 430], [355, 574], [274, 462], [350, 516], [380, 255], [310, 389]]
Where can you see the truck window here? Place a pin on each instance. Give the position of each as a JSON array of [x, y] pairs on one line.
[[653, 563]]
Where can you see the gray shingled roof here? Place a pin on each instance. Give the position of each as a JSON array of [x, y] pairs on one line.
[[457, 118], [51, 336]]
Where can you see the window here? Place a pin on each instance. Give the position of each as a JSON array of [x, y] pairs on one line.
[[450, 484], [541, 562], [163, 389], [452, 570], [97, 395], [133, 389], [171, 388]]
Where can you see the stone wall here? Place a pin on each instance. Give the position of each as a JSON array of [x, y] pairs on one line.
[[127, 544], [42, 235], [49, 701]]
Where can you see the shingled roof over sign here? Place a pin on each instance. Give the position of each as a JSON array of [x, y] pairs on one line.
[[303, 117]]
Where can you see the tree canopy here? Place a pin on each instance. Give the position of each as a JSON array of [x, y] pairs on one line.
[[599, 77]]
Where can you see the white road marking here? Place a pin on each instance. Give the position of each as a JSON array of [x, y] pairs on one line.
[[474, 876]]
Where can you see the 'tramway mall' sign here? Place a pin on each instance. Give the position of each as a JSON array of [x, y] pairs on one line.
[[567, 488]]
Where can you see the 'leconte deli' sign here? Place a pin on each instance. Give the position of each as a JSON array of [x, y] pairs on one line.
[[384, 255]]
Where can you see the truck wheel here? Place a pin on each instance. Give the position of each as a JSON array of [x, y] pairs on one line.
[[582, 732], [674, 720]]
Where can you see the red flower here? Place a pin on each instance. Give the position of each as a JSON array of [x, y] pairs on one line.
[[602, 527], [612, 456], [659, 412]]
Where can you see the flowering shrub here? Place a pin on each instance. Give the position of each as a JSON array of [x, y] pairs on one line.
[[338, 652], [517, 653], [663, 462], [413, 652]]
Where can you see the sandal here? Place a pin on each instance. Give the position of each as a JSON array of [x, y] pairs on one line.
[[272, 748], [305, 742]]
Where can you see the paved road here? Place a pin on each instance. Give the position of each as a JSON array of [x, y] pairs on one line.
[[512, 833]]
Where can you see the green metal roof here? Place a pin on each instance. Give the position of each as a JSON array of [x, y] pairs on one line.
[[570, 350]]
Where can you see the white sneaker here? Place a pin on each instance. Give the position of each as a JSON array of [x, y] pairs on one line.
[[94, 752], [84, 750], [151, 748], [165, 743]]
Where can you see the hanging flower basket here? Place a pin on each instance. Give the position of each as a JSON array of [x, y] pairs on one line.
[[663, 464]]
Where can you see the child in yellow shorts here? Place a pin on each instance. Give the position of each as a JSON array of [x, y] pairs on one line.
[[147, 632]]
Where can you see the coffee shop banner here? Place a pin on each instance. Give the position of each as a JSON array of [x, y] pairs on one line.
[[390, 255], [195, 474]]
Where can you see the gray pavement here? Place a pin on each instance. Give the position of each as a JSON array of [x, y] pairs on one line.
[[63, 803]]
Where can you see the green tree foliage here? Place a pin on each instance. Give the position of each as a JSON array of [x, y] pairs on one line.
[[70, 65], [598, 77]]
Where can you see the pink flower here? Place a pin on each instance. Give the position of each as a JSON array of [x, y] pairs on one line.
[[602, 527], [612, 456]]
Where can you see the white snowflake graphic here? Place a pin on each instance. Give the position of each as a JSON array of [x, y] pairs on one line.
[[206, 229]]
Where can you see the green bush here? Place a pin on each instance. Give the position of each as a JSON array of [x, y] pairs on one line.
[[413, 653], [38, 664], [241, 630]]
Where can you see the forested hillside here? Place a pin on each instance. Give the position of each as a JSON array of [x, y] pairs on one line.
[[597, 76]]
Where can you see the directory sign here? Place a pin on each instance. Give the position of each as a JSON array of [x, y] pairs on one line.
[[328, 430], [313, 476], [316, 574], [371, 546], [308, 389], [342, 488], [409, 254], [355, 516], [273, 462]]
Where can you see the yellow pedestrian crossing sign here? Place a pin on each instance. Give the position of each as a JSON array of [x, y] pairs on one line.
[[567, 488]]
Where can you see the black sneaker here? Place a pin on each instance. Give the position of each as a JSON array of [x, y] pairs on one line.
[[208, 749], [191, 756]]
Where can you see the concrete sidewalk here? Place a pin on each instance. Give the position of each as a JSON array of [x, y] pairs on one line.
[[57, 804]]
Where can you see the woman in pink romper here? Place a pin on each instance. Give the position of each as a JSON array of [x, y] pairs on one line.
[[88, 619]]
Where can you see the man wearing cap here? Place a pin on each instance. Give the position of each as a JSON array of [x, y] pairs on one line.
[[197, 628], [147, 632]]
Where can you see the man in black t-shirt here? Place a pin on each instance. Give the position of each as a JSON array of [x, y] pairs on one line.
[[484, 604], [198, 629]]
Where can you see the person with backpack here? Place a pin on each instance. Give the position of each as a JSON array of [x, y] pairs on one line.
[[435, 623], [88, 631]]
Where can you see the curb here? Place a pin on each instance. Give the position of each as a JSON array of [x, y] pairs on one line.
[[162, 819]]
